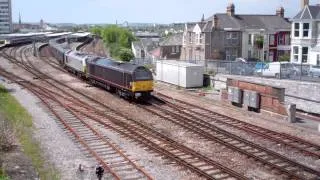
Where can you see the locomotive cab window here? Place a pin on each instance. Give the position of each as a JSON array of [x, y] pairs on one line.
[[142, 73]]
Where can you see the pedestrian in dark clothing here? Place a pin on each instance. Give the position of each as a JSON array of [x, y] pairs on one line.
[[99, 171]]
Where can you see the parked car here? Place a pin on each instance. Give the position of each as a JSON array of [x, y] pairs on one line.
[[314, 71], [259, 66], [277, 69], [242, 67], [241, 60]]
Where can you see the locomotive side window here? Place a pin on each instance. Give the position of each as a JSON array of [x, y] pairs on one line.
[[142, 73]]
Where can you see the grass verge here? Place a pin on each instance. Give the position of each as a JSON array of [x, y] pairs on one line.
[[2, 175], [21, 122]]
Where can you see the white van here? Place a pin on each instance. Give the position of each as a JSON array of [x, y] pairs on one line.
[[275, 69]]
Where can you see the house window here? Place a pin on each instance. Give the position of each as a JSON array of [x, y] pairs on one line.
[[190, 37], [305, 29], [249, 54], [295, 53], [173, 49], [281, 39], [304, 54], [318, 59], [201, 39], [250, 39], [296, 29], [177, 49], [271, 39], [234, 38], [231, 54]]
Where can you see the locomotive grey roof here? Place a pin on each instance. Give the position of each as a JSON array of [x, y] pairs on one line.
[[125, 67], [308, 12]]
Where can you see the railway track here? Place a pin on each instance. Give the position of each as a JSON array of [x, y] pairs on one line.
[[196, 124], [136, 131], [293, 142]]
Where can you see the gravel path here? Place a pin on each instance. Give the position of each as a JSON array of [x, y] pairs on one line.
[[57, 146]]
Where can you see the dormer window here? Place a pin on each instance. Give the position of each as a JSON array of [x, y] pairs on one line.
[[296, 29], [306, 29]]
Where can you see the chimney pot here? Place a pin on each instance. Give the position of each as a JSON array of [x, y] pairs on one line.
[[304, 3], [280, 12], [231, 9]]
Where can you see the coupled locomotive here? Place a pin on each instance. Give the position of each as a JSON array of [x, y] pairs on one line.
[[126, 79]]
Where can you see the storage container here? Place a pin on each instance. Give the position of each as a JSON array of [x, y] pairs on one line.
[[180, 73]]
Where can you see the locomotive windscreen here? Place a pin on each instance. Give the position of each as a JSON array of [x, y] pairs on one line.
[[142, 73]]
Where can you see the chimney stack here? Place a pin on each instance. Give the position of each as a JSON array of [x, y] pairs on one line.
[[304, 3], [230, 9], [215, 21], [280, 12]]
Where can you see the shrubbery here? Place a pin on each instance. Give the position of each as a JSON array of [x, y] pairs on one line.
[[118, 40]]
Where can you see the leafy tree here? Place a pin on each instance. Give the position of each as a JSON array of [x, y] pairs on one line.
[[259, 42], [96, 30], [118, 40]]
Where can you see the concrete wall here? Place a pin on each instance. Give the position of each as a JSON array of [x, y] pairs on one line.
[[308, 93]]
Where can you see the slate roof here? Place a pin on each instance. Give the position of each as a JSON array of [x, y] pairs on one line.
[[242, 22], [173, 40], [145, 43], [308, 12]]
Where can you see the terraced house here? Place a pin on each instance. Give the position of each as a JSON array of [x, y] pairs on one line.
[[226, 36], [306, 35]]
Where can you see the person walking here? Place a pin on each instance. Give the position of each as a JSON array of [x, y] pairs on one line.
[[99, 171]]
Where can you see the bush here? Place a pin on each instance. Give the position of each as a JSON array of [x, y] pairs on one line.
[[125, 54], [285, 57]]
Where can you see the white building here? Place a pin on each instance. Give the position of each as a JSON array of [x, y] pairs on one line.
[[5, 16], [305, 44]]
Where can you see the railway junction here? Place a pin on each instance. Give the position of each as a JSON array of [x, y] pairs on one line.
[[174, 134]]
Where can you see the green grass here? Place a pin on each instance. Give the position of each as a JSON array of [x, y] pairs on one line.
[[21, 121], [2, 175], [208, 88]]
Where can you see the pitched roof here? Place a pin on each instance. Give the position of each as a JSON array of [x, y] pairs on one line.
[[242, 22], [308, 12], [173, 40], [146, 44]]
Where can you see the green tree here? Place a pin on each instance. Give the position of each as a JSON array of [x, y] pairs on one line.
[[118, 40]]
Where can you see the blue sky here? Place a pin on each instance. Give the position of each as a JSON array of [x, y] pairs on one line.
[[159, 11]]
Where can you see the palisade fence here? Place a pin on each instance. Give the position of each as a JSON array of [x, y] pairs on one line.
[[283, 70]]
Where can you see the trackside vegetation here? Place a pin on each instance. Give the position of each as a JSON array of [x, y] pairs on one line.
[[21, 123], [117, 40]]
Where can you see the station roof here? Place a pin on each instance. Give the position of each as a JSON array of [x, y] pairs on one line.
[[23, 35], [81, 34], [57, 34]]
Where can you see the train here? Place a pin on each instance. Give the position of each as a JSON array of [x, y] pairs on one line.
[[128, 80]]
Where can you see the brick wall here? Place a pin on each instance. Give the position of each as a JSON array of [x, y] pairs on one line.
[[271, 97]]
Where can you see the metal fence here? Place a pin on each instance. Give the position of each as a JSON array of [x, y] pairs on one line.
[[279, 70]]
